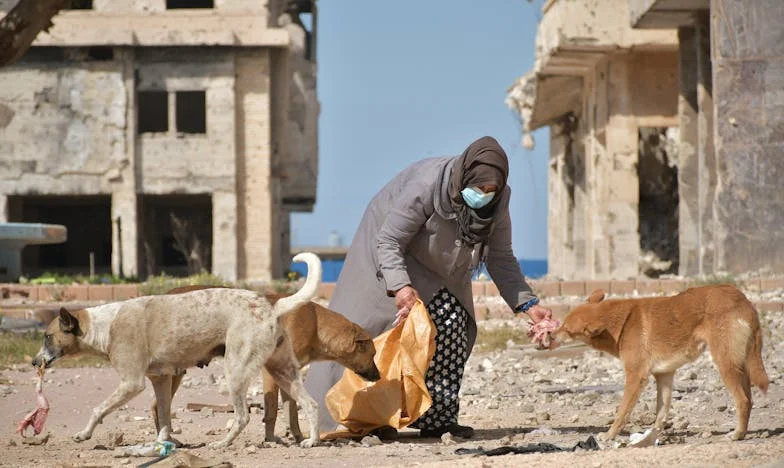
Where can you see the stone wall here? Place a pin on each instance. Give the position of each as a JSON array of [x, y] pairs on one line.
[[64, 130], [594, 182], [748, 99]]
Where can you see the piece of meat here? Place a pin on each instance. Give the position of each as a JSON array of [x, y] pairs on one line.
[[37, 417], [539, 333]]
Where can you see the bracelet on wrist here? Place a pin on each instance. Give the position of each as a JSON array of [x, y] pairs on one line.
[[526, 305]]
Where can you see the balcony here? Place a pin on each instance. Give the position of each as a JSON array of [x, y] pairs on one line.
[[80, 28]]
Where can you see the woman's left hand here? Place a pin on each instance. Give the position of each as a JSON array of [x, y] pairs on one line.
[[537, 313]]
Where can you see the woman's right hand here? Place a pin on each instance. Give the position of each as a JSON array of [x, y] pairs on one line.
[[405, 298]]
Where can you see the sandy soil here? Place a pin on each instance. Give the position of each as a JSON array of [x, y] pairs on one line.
[[514, 397]]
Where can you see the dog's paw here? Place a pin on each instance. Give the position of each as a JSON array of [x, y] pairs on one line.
[[81, 436], [605, 436], [308, 443], [735, 435]]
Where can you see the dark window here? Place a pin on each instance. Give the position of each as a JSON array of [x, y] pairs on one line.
[[153, 114], [81, 5], [175, 4], [44, 54], [100, 53], [191, 111]]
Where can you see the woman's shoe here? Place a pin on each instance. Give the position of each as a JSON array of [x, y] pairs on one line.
[[465, 432], [385, 433]]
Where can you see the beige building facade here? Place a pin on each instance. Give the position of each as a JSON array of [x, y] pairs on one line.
[[167, 135], [643, 180]]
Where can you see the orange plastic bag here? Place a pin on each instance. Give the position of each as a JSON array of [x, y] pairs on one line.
[[400, 397]]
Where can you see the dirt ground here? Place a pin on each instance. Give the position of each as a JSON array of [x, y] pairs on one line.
[[513, 397]]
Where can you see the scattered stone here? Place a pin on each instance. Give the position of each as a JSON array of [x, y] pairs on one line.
[[40, 439], [722, 407], [250, 449], [124, 417], [206, 412], [486, 365], [370, 441], [493, 404], [528, 408], [447, 439], [542, 416], [705, 435], [6, 390]]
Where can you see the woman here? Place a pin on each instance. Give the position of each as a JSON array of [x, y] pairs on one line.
[[422, 236]]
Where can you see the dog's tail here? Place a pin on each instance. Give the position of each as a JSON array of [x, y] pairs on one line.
[[757, 374], [308, 290]]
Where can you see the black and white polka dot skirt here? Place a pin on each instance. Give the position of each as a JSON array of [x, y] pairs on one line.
[[445, 372]]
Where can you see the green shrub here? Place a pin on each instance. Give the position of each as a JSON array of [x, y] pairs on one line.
[[720, 278], [161, 284]]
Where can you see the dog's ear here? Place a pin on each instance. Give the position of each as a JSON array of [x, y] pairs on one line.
[[361, 345], [362, 340], [69, 323], [596, 297]]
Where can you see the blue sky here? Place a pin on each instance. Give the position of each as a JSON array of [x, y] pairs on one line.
[[405, 80]]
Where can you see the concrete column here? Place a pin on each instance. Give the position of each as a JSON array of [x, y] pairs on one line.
[[619, 206], [224, 238], [706, 156], [688, 164], [559, 218], [257, 191], [3, 208], [125, 220]]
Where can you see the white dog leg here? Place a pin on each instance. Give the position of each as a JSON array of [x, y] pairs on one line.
[[123, 394], [162, 384]]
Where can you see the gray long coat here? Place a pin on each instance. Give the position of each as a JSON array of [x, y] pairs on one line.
[[409, 235]]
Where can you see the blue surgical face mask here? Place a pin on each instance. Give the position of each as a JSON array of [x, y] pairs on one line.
[[476, 198]]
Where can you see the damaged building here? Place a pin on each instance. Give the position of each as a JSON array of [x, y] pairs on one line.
[[666, 127], [167, 135]]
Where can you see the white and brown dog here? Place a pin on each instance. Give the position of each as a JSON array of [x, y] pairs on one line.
[[160, 336]]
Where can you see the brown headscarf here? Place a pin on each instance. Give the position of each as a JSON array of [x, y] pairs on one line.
[[484, 162]]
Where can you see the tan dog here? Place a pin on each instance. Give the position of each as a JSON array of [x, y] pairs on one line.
[[659, 335], [160, 336], [316, 334]]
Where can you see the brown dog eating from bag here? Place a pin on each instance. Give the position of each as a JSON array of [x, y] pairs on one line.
[[659, 335]]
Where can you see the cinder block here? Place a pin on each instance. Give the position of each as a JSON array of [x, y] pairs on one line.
[[491, 289], [478, 288], [125, 291], [326, 290], [767, 284], [591, 286], [27, 292], [573, 288], [75, 292], [622, 287], [672, 286], [751, 284], [481, 312], [647, 286], [51, 293], [100, 292], [769, 306], [546, 288]]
